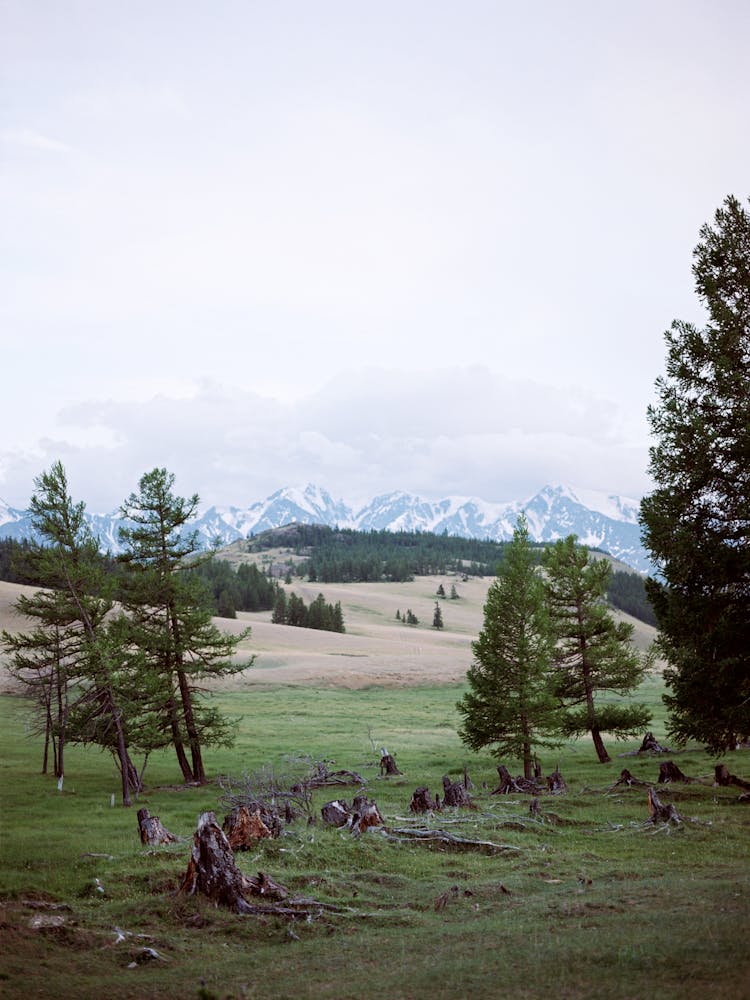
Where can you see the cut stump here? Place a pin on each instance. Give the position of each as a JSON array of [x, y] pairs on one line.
[[151, 831], [244, 829]]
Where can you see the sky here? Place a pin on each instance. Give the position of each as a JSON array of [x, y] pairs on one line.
[[410, 245]]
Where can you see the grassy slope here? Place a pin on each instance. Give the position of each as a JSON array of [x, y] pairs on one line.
[[597, 905]]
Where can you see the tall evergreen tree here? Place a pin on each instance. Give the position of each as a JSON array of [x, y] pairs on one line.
[[696, 523], [169, 615], [594, 653], [437, 617], [76, 625], [510, 705]]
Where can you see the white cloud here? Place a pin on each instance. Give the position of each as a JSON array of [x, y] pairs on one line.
[[461, 431]]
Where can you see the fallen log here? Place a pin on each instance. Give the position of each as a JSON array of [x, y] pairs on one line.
[[661, 813], [669, 771], [244, 829], [151, 830], [723, 778]]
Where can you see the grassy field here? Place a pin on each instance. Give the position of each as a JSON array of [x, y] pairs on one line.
[[585, 902], [588, 903]]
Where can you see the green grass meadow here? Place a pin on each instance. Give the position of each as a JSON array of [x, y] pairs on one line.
[[586, 902]]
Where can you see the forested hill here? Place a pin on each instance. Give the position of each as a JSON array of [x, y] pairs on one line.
[[332, 555]]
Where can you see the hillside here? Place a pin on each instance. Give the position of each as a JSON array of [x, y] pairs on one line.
[[375, 650]]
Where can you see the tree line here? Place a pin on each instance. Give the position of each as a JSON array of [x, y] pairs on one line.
[[292, 610]]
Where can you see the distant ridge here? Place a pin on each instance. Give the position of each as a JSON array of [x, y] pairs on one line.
[[600, 520]]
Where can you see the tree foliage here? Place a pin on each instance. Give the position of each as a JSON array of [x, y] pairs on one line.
[[593, 652], [696, 523], [511, 706]]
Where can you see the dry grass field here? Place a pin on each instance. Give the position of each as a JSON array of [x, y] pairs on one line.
[[375, 650]]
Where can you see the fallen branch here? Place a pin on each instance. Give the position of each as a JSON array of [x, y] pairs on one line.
[[404, 834]]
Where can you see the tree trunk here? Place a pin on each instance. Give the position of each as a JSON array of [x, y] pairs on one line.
[[388, 764], [661, 813], [601, 750], [199, 773], [179, 748]]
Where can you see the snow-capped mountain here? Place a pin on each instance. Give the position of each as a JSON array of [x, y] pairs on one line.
[[599, 520]]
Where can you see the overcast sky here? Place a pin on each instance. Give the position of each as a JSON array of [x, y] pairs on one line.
[[419, 245]]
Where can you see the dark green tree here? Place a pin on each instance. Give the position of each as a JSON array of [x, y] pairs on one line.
[[437, 617], [594, 653], [696, 522], [169, 612], [510, 706], [77, 626]]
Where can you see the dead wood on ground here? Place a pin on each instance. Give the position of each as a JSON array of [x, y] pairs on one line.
[[509, 784], [387, 763], [359, 817], [443, 838], [423, 802], [626, 778], [455, 794]]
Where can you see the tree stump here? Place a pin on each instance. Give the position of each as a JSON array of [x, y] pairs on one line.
[[651, 745], [263, 885], [661, 813], [364, 814], [388, 764], [669, 771], [212, 870], [468, 783], [244, 829], [335, 813], [507, 782], [454, 794], [626, 778], [724, 778], [151, 830], [534, 809], [422, 801], [556, 782]]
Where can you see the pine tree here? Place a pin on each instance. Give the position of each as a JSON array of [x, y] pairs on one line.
[[696, 522], [170, 617], [594, 653], [75, 625], [437, 617], [510, 705]]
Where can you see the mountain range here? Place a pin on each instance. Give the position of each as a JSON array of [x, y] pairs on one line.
[[600, 520]]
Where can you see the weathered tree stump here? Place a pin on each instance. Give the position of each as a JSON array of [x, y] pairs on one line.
[[468, 783], [388, 764], [724, 778], [212, 870], [517, 785], [335, 813], [364, 814], [669, 771], [360, 816], [244, 829], [534, 809], [651, 745], [151, 831], [422, 801], [661, 813], [626, 778], [556, 782], [454, 794]]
